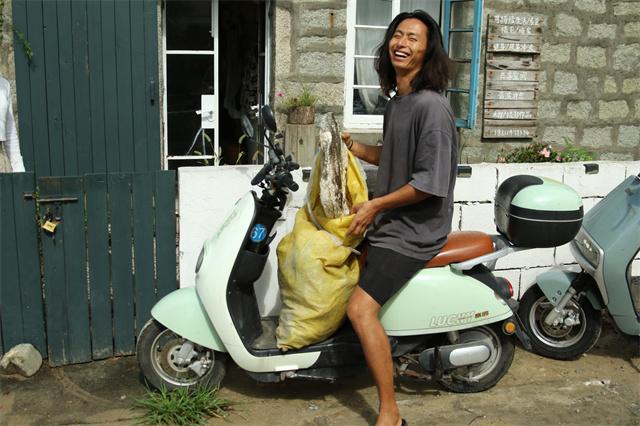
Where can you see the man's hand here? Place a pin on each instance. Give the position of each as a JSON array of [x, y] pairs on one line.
[[365, 213]]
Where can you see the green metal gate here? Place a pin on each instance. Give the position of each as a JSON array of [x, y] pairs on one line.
[[85, 290]]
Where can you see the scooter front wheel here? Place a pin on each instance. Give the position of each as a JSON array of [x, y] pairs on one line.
[[560, 341], [171, 361], [483, 376]]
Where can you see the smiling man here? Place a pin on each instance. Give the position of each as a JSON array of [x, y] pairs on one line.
[[409, 218]]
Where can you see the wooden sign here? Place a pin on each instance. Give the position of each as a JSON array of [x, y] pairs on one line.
[[511, 83]]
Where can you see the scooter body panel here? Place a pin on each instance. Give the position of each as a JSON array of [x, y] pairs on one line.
[[220, 253], [555, 283], [181, 312], [439, 300]]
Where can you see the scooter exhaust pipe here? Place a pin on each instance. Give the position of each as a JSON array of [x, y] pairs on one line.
[[454, 356]]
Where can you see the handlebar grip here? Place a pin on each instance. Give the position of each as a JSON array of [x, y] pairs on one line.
[[261, 174], [287, 180]]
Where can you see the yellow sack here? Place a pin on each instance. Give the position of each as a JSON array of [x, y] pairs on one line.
[[317, 272]]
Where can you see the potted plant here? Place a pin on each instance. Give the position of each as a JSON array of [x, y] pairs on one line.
[[300, 109]]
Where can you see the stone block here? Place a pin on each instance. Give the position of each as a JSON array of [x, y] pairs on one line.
[[626, 57], [555, 134], [631, 85], [593, 185], [23, 359], [637, 107], [549, 170], [321, 44], [596, 137], [556, 53], [593, 6], [632, 29], [592, 56], [610, 85], [602, 31], [565, 83], [322, 21], [562, 255], [626, 8], [633, 168], [609, 110], [580, 110], [283, 41], [542, 82], [568, 25], [477, 217], [629, 136], [480, 186], [616, 156], [321, 64], [329, 94], [548, 109]]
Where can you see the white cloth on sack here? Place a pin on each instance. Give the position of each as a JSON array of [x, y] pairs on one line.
[[8, 132]]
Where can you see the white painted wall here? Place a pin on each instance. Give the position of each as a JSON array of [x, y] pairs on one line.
[[207, 195]]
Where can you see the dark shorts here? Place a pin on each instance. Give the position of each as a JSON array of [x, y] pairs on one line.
[[386, 271]]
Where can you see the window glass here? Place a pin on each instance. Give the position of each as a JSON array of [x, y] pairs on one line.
[[432, 7], [367, 40], [373, 12], [369, 102], [189, 25]]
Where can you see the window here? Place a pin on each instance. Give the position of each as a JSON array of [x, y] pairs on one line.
[[367, 20]]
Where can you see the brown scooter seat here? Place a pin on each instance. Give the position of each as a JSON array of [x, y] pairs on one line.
[[461, 246]]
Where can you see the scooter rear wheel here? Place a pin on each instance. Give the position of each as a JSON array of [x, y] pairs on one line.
[[483, 376], [559, 342], [157, 349]]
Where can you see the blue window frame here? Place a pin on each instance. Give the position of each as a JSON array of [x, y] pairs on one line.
[[452, 26]]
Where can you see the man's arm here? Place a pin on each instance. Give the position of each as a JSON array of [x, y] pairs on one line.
[[368, 153], [366, 212]]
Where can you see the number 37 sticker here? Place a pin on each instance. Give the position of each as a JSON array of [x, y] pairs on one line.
[[258, 233]]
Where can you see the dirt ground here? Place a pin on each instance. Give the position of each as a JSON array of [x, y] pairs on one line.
[[601, 388]]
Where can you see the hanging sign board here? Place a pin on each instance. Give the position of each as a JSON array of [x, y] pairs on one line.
[[511, 83]]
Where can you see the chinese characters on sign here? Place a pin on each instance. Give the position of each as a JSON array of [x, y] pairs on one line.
[[512, 74]]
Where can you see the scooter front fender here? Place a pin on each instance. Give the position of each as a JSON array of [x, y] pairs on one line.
[[181, 312], [555, 283]]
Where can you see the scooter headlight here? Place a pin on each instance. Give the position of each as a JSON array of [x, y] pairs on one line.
[[587, 248], [200, 259]]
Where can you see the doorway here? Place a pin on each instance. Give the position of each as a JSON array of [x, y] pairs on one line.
[[216, 72]]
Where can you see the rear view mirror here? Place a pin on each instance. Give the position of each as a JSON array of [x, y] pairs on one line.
[[268, 119]]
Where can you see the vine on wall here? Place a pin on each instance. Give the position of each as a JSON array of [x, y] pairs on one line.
[[26, 46]]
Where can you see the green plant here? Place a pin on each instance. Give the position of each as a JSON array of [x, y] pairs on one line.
[[306, 98], [26, 46], [182, 406], [539, 152]]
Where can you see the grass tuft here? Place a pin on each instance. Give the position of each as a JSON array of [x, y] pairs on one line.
[[182, 406]]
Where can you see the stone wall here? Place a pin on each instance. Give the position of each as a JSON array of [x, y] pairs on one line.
[[590, 86], [7, 62]]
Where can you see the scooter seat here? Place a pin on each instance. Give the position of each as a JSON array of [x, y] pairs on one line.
[[461, 246]]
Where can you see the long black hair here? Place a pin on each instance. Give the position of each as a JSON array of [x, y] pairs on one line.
[[434, 73]]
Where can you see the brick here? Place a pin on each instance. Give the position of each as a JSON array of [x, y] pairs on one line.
[[548, 109], [632, 29], [580, 110], [627, 57], [631, 85], [594, 6], [610, 85], [613, 109], [556, 53], [592, 85], [565, 83], [562, 255], [478, 217], [629, 136], [596, 137], [637, 107], [322, 21], [556, 134], [626, 8], [480, 186], [593, 185], [591, 57], [602, 31], [568, 25], [549, 170], [527, 258], [455, 220]]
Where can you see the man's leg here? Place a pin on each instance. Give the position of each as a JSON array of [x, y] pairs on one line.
[[363, 314]]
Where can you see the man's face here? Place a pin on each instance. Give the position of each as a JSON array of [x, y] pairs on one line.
[[408, 46]]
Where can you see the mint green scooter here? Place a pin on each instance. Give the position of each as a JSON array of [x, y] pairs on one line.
[[452, 322], [563, 311]]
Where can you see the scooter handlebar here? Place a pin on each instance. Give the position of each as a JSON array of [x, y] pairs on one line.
[[261, 174]]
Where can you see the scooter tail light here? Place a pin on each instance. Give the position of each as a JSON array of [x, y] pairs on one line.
[[507, 284]]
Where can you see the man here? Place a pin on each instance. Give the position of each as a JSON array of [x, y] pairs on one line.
[[410, 216], [10, 158]]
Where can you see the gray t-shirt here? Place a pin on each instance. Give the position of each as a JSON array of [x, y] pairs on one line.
[[420, 149]]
